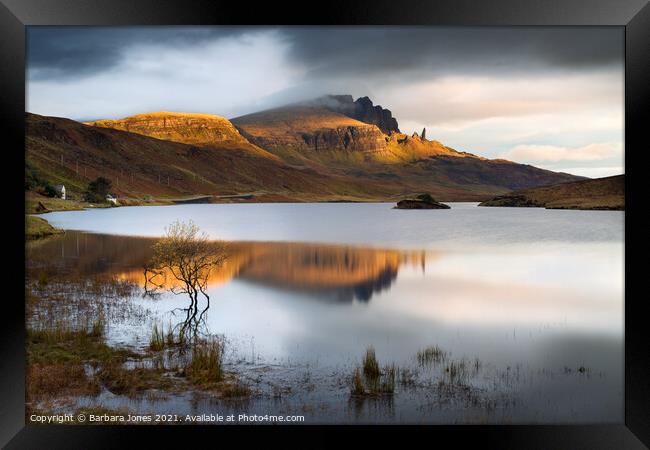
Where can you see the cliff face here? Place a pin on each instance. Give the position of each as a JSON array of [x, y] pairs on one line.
[[352, 138], [307, 127], [187, 128], [362, 110]]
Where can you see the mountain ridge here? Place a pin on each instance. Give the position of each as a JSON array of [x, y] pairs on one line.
[[309, 151]]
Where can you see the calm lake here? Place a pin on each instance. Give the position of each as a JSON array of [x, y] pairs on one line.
[[535, 295]]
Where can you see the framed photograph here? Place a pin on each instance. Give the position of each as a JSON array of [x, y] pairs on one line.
[[414, 216]]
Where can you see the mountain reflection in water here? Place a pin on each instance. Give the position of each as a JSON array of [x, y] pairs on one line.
[[328, 272]]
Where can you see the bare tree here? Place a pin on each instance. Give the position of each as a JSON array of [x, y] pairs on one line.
[[181, 263]]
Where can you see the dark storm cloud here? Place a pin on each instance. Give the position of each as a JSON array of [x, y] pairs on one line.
[[71, 52], [374, 50], [62, 52], [553, 95]]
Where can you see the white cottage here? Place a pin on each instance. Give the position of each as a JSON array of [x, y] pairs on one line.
[[111, 199], [60, 190]]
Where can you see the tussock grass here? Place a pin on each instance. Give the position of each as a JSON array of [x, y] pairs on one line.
[[157, 341], [205, 367], [51, 380], [43, 279], [235, 390], [370, 379], [65, 329], [370, 364], [358, 388], [62, 345], [59, 351], [131, 382], [431, 355]]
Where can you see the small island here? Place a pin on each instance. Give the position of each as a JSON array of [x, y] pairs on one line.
[[422, 201]]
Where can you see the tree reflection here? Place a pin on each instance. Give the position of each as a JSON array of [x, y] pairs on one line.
[[181, 264]]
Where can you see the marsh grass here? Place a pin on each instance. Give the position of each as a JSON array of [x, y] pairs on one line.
[[169, 337], [370, 379], [78, 301], [358, 387], [67, 354], [157, 340], [477, 365], [57, 357], [69, 328], [205, 367], [370, 364], [431, 356], [388, 379], [42, 279], [132, 382], [457, 373], [235, 390], [51, 380]]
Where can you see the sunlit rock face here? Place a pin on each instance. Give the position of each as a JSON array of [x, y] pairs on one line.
[[362, 110], [310, 127], [187, 128]]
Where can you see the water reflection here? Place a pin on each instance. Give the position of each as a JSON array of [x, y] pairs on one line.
[[325, 272], [543, 308]]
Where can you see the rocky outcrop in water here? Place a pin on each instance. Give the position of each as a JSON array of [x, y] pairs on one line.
[[422, 201], [513, 200]]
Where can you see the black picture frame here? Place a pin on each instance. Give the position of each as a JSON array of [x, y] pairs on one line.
[[633, 15]]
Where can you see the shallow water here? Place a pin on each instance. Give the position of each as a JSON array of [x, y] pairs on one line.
[[534, 294]]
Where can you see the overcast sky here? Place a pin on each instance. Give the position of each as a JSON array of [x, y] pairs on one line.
[[551, 97]]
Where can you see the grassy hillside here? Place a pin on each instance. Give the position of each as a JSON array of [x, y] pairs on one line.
[[36, 228], [309, 154], [602, 193], [205, 130], [325, 140], [62, 151]]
